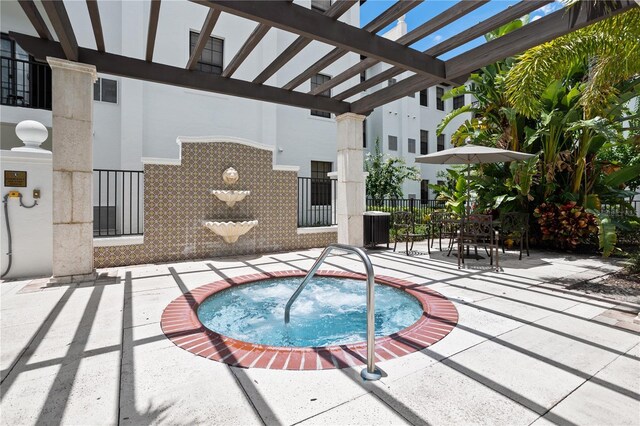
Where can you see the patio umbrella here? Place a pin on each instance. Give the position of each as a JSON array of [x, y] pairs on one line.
[[472, 154]]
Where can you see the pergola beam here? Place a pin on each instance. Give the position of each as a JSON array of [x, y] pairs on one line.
[[508, 15], [448, 16], [58, 17], [310, 24], [336, 10], [256, 35], [478, 30], [381, 21], [94, 15], [552, 26], [123, 66], [205, 33], [545, 29], [154, 15], [30, 9]]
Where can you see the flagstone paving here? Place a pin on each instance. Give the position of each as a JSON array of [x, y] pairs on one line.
[[526, 350]]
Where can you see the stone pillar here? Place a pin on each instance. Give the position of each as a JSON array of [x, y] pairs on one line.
[[351, 180], [72, 102]]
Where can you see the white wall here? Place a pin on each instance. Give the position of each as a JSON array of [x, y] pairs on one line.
[[31, 229]]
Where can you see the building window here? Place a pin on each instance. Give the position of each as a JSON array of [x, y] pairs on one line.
[[391, 82], [439, 101], [440, 142], [316, 81], [320, 5], [458, 101], [411, 146], [105, 90], [424, 190], [424, 97], [412, 196], [424, 142], [393, 143], [211, 58], [320, 183]]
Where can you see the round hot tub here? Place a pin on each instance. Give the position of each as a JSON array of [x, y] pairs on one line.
[[240, 321]]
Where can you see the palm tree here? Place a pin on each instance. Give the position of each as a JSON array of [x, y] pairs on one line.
[[609, 49]]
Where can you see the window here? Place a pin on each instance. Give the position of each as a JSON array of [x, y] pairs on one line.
[[391, 82], [439, 101], [316, 81], [412, 196], [105, 90], [458, 101], [424, 142], [424, 97], [320, 5], [211, 58], [440, 142], [393, 143], [25, 81], [320, 183], [424, 190], [411, 146]]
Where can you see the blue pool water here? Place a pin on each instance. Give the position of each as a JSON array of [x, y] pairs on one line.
[[329, 311]]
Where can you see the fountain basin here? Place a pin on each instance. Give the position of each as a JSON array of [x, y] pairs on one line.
[[230, 231], [230, 197]]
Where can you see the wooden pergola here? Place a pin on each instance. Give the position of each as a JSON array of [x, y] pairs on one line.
[[311, 25]]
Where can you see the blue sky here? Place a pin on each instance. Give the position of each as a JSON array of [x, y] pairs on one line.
[[430, 8]]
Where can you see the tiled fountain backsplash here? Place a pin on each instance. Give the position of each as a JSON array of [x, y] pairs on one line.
[[178, 200]]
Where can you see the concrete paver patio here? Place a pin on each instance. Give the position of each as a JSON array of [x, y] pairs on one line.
[[525, 350]]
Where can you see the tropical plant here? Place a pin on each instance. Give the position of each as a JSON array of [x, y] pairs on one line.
[[386, 175], [453, 191], [609, 49], [565, 226]]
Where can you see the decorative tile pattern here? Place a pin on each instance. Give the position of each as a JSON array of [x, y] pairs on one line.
[[177, 200], [181, 325]]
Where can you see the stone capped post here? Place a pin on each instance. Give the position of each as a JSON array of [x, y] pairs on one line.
[[351, 180], [72, 111]]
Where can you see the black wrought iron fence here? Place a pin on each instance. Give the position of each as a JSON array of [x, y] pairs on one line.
[[617, 210], [316, 202], [423, 207], [25, 83], [118, 202]]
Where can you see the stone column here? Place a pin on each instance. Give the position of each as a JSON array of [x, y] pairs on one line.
[[72, 102], [351, 184]]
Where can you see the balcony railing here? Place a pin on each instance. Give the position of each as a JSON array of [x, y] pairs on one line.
[[316, 202], [118, 198], [25, 83]]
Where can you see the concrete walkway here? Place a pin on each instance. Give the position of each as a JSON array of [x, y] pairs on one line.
[[525, 351]]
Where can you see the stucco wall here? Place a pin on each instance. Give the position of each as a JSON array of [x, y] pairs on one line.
[[177, 200]]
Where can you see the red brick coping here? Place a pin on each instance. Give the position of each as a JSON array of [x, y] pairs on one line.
[[181, 325]]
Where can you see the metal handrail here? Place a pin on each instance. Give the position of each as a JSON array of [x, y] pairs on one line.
[[371, 372]]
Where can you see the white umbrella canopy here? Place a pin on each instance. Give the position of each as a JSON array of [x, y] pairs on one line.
[[472, 154]]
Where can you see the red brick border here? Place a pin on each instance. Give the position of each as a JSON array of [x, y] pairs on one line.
[[181, 325]]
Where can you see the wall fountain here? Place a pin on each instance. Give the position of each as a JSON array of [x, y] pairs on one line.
[[230, 230]]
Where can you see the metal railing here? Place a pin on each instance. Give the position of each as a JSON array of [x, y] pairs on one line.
[[118, 199], [370, 372], [316, 202], [617, 210], [25, 83], [405, 204]]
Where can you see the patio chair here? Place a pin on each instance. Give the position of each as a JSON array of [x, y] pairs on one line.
[[404, 224], [443, 224], [515, 226], [478, 230]]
